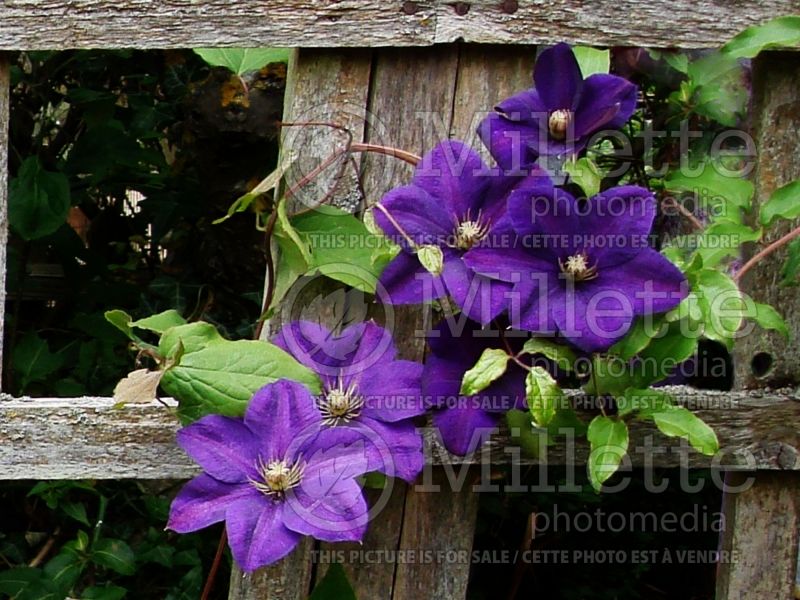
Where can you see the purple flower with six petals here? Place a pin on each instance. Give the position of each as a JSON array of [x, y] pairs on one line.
[[451, 203], [581, 269], [272, 478], [368, 394], [464, 421], [559, 114]]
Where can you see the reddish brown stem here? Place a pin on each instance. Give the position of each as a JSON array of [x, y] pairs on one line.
[[212, 574], [686, 213], [409, 157], [776, 245]]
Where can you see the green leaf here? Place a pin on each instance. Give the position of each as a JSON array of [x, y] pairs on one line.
[[718, 88], [723, 239], [115, 555], [64, 569], [791, 267], [591, 60], [33, 361], [341, 247], [122, 321], [586, 174], [637, 338], [27, 583], [242, 60], [38, 200], [608, 439], [490, 366], [712, 184], [77, 511], [159, 323], [108, 592], [215, 375], [722, 303], [334, 586], [544, 396], [769, 318], [643, 402], [431, 258], [680, 422], [562, 355], [780, 32], [532, 440], [783, 203]]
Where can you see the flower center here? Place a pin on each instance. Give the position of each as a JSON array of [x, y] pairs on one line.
[[470, 231], [559, 122], [340, 404], [577, 268], [277, 476]]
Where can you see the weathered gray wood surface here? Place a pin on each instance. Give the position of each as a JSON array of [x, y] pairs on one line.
[[76, 438], [5, 89], [762, 531], [764, 358], [61, 24]]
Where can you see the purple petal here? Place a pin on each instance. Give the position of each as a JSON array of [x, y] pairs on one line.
[[479, 297], [256, 532], [405, 281], [328, 503], [203, 502], [651, 282], [283, 414], [523, 106], [606, 101], [441, 379], [593, 318], [314, 346], [557, 77], [530, 303], [506, 264], [224, 447], [510, 142], [464, 427], [455, 177], [618, 224], [374, 344], [392, 392], [421, 217], [546, 218]]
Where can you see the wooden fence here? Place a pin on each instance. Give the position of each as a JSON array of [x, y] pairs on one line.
[[378, 67]]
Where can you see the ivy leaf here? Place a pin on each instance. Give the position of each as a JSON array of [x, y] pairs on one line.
[[215, 375], [780, 32], [563, 356], [544, 396], [783, 203], [769, 318], [159, 323], [115, 555], [681, 422], [586, 174], [718, 88], [33, 361], [490, 366], [608, 440], [723, 239], [592, 60], [334, 586], [242, 60], [38, 200]]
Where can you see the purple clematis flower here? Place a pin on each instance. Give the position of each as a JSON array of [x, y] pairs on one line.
[[368, 394], [464, 421], [581, 269], [451, 203], [271, 477], [559, 114]]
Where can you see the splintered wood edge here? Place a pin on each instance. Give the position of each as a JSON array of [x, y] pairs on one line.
[[77, 438], [66, 24]]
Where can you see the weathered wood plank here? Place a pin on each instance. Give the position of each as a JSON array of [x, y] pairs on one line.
[[762, 531], [77, 438], [63, 24], [764, 358], [288, 579]]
